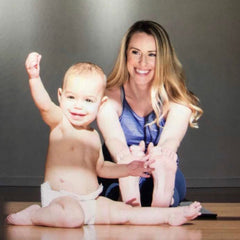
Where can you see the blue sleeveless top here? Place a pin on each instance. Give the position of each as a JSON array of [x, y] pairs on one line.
[[135, 128]]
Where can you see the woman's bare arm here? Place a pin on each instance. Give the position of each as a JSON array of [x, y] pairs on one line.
[[176, 126]]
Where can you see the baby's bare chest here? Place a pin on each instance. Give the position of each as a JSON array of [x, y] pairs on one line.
[[76, 146]]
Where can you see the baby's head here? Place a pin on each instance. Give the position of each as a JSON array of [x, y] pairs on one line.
[[82, 93], [87, 69]]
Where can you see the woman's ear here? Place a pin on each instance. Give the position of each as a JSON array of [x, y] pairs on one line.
[[60, 95]]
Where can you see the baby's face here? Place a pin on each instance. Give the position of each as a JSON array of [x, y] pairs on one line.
[[81, 97]]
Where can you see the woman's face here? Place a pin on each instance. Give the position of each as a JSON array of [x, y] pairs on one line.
[[141, 58]]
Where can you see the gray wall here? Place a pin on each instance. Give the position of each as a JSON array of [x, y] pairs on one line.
[[206, 37]]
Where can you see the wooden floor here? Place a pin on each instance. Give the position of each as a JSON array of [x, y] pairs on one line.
[[225, 226]]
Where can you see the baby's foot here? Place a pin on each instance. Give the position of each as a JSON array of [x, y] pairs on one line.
[[164, 176], [180, 215], [23, 217]]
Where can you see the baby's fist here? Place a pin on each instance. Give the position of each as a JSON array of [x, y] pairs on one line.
[[32, 64]]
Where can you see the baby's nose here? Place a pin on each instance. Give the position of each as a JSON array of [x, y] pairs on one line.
[[78, 104]]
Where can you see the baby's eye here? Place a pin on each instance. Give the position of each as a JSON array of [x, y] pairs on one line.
[[70, 97], [89, 100]]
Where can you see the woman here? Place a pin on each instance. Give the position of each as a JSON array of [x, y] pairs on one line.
[[150, 108]]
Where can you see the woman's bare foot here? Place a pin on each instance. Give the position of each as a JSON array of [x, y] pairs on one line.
[[129, 188], [23, 217], [163, 176], [180, 215]]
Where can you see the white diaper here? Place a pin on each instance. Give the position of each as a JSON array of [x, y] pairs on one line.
[[87, 202]]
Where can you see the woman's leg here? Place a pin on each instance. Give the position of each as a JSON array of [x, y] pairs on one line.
[[179, 189], [112, 186], [163, 176], [146, 188]]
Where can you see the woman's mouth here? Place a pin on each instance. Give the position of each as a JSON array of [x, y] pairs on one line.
[[142, 72]]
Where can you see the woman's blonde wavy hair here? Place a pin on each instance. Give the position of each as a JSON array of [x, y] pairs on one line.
[[169, 80]]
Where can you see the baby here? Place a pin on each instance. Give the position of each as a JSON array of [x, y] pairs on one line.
[[70, 192]]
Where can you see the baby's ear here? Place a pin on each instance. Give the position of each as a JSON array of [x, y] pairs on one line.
[[59, 94], [104, 99]]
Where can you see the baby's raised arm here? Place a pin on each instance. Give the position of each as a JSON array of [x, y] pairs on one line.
[[32, 65], [50, 112]]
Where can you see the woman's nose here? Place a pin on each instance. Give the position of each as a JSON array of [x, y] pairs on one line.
[[143, 59]]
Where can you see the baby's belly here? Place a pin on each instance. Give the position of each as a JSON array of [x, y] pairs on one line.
[[77, 181]]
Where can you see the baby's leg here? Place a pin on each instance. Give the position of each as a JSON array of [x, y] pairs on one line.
[[111, 212], [23, 217], [163, 177], [180, 215], [61, 212]]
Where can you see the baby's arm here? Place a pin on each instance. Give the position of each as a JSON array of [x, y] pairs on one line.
[[108, 169], [50, 112]]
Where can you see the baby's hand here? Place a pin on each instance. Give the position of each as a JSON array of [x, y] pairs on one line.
[[32, 65], [140, 168]]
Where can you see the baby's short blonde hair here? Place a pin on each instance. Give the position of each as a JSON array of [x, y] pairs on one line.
[[84, 67]]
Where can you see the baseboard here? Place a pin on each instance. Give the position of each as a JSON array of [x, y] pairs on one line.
[[32, 194], [20, 193], [213, 182], [33, 181], [220, 194]]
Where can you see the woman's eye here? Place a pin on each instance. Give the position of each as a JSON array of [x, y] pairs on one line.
[[152, 55], [135, 52]]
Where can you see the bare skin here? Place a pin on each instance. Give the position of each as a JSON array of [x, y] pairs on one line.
[[75, 159], [165, 167], [108, 212], [141, 69], [163, 176]]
